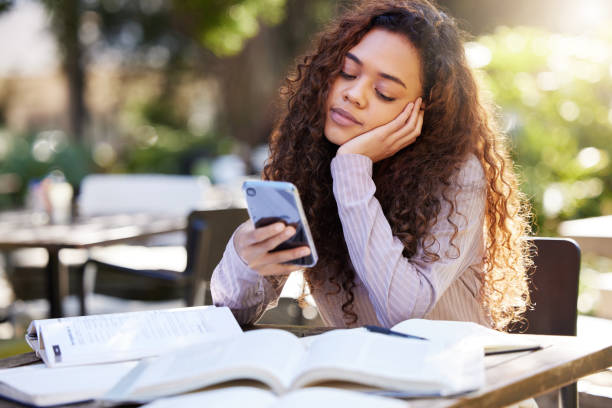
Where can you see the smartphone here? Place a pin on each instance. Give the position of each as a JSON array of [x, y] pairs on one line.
[[279, 201]]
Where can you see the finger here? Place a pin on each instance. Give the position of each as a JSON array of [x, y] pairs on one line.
[[389, 128], [400, 120], [259, 249], [407, 118], [406, 111], [412, 119], [394, 125], [280, 257], [410, 137], [253, 251], [260, 234], [276, 240], [419, 126], [410, 124]]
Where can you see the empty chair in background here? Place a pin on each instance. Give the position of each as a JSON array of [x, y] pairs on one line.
[[207, 233], [107, 194], [128, 193]]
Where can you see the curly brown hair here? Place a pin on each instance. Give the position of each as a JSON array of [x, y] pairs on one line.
[[456, 124]]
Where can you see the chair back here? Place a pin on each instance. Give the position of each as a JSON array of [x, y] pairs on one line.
[[208, 233], [554, 287]]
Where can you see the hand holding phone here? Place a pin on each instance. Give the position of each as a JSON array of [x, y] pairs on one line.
[[254, 245], [276, 206]]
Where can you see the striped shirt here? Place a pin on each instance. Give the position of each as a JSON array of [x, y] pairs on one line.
[[389, 287]]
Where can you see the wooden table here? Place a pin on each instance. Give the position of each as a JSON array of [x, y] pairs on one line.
[[20, 229], [510, 378]]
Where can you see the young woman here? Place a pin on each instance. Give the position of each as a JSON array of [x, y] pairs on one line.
[[409, 192]]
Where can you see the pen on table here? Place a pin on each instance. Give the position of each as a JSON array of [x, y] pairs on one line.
[[383, 330], [515, 350]]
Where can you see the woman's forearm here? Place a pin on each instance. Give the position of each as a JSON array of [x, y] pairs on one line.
[[243, 290]]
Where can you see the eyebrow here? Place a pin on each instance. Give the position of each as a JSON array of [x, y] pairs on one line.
[[382, 74]]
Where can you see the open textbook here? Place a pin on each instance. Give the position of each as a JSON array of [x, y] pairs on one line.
[[452, 332], [283, 363], [235, 397], [126, 336]]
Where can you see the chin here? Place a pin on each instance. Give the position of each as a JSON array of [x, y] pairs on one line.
[[336, 136]]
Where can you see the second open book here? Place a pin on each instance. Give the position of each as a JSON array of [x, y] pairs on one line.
[[284, 363], [448, 333]]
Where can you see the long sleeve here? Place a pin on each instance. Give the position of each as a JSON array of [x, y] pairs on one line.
[[243, 290], [401, 288]]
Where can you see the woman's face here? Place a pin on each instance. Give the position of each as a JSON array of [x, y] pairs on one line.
[[380, 76]]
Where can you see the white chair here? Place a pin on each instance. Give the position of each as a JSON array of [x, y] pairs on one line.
[[102, 194], [128, 193]]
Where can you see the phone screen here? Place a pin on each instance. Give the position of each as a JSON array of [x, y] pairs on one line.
[[268, 205]]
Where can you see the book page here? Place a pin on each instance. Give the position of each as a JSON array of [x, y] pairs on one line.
[[330, 397], [40, 385], [452, 332], [391, 362], [124, 336], [238, 397], [268, 355]]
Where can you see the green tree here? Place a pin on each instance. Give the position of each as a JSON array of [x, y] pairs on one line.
[[221, 26], [554, 91]]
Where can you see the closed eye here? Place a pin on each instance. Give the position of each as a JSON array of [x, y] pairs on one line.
[[347, 76], [384, 97]]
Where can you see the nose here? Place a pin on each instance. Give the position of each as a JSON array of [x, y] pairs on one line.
[[356, 94]]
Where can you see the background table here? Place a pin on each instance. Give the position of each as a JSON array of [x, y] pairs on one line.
[[510, 378], [20, 229]]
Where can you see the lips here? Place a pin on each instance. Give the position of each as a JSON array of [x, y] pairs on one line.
[[342, 117]]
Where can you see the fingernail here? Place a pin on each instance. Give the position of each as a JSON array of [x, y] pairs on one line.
[[304, 252], [290, 231], [279, 227]]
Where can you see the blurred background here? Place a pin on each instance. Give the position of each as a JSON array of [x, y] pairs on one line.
[[190, 87]]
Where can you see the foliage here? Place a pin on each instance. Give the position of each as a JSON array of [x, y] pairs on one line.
[[157, 141], [151, 134], [5, 5], [33, 156], [555, 94], [554, 91], [223, 25]]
